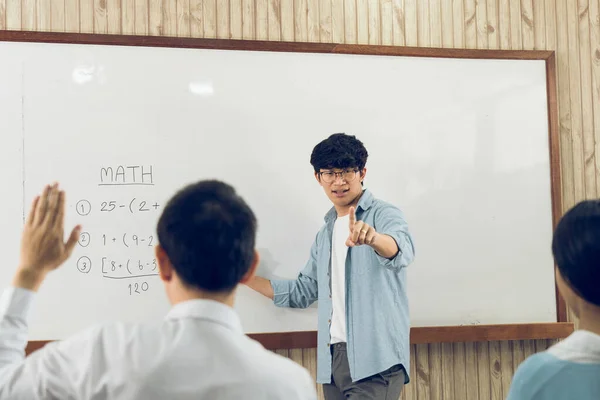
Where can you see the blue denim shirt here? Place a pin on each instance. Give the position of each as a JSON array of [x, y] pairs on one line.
[[377, 316]]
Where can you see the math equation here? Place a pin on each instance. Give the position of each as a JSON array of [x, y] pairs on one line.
[[124, 195]]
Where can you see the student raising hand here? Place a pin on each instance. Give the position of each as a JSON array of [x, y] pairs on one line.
[[43, 248]]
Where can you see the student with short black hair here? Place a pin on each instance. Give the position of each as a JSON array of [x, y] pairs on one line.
[[571, 368], [206, 247], [357, 272]]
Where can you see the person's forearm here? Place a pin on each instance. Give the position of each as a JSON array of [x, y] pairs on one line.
[[262, 286], [28, 279], [385, 246]]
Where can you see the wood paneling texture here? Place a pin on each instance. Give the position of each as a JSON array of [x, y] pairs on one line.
[[571, 27]]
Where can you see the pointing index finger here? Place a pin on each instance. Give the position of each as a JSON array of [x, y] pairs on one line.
[[352, 217]]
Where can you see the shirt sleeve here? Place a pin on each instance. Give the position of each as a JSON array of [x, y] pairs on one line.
[[15, 304], [302, 291], [390, 221], [53, 371]]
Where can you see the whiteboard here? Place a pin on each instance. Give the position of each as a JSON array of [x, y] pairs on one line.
[[460, 145]]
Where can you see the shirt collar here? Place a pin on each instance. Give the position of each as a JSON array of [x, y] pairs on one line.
[[580, 346], [209, 310], [364, 203]]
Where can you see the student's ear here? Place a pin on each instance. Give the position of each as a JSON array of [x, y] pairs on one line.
[[363, 173], [252, 269], [165, 268]]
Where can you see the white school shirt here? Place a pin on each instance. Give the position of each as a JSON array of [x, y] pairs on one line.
[[339, 251], [198, 352]]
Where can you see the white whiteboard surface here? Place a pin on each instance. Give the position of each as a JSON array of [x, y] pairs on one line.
[[461, 146]]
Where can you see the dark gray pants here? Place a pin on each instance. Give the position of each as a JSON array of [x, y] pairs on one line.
[[386, 385]]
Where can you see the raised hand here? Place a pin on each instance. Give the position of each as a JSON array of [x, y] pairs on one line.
[[43, 248]]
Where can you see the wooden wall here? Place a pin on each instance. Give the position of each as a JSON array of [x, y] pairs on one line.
[[571, 27]]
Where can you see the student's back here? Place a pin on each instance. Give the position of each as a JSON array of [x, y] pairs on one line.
[[571, 368], [198, 351], [568, 370]]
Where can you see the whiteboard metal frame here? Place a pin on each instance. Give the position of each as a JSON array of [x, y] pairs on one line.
[[419, 335]]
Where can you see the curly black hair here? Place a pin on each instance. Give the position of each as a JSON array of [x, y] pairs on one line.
[[339, 151]]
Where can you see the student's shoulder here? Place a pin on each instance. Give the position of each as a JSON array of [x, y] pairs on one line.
[[534, 374], [293, 378], [283, 374]]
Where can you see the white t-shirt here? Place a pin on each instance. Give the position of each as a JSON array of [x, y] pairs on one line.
[[339, 251]]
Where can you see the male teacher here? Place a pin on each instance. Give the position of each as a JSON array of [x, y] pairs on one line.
[[357, 272]]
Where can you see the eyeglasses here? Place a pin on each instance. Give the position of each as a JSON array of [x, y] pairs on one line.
[[348, 175]]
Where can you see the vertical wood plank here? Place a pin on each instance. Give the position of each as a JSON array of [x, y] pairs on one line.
[[421, 378], [300, 20], [587, 108], [337, 21], [516, 42], [387, 23], [350, 28], [12, 11], [141, 17], [528, 348], [197, 18], [435, 371], [470, 24], [169, 18], [575, 97], [411, 24], [28, 15], [491, 25], [183, 18], [471, 371], [274, 19], [496, 371], [127, 17], [155, 22], [362, 21], [481, 25], [3, 14], [518, 355], [236, 25], [435, 23], [44, 19], [447, 16], [448, 371], [539, 25], [410, 391], [484, 370], [458, 24], [100, 20], [566, 146], [423, 33], [374, 27], [507, 366], [113, 17], [594, 17], [325, 21], [287, 20], [262, 19], [527, 28], [457, 353], [248, 17], [398, 23], [312, 20], [209, 11], [504, 24], [222, 15]]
